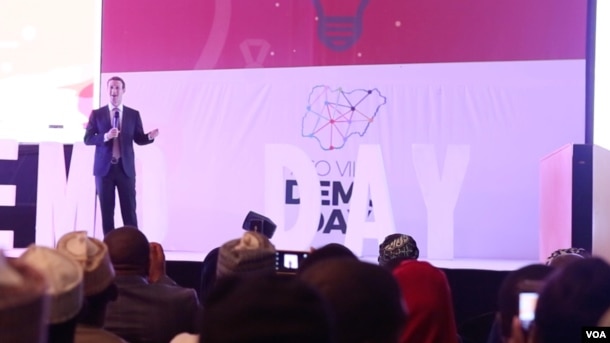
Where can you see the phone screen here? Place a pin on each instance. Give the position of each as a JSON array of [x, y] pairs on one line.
[[527, 308], [289, 261]]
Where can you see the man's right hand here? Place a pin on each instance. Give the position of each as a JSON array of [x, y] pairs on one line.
[[113, 133]]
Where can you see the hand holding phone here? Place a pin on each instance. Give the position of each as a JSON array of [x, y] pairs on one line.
[[527, 308], [289, 261]]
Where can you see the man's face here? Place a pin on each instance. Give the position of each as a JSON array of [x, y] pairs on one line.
[[116, 91]]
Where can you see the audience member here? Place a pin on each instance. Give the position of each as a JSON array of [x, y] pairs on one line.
[[572, 297], [328, 251], [23, 303], [252, 253], [65, 280], [146, 311], [529, 278], [396, 248], [428, 297], [99, 287], [365, 299], [562, 257], [265, 309], [253, 222]]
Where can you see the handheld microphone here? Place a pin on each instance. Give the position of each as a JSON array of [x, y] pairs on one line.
[[115, 122]]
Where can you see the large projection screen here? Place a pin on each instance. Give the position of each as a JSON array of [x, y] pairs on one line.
[[432, 127], [343, 121]]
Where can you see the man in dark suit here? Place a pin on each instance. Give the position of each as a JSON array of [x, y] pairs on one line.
[[150, 306], [113, 129]]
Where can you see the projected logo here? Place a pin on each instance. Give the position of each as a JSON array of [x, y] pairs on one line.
[[333, 116], [340, 23]]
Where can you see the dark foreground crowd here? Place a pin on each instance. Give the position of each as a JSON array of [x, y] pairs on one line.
[[116, 290]]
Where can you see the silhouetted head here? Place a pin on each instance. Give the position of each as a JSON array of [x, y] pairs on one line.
[[99, 288], [329, 251], [24, 307], [563, 260], [265, 309], [561, 257], [396, 248], [252, 253], [129, 250], [364, 297], [529, 278], [65, 279], [572, 297], [92, 255]]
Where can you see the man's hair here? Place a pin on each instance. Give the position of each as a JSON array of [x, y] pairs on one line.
[[328, 251], [365, 298], [269, 308], [116, 78], [574, 296], [508, 295], [129, 250]]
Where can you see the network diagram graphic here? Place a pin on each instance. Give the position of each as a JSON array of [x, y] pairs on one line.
[[334, 115]]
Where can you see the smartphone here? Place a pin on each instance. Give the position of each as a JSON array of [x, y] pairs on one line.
[[527, 308], [288, 262]]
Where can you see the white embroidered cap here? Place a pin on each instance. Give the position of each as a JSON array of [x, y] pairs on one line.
[[92, 255], [64, 277], [23, 303], [253, 253]]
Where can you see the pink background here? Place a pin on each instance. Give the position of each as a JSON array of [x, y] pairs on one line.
[[144, 35]]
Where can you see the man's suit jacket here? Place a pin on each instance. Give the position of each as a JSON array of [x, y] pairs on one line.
[[151, 312], [131, 130]]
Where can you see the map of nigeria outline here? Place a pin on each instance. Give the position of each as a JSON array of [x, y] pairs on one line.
[[335, 115]]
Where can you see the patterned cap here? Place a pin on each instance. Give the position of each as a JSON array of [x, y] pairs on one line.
[[252, 253], [569, 251], [397, 247], [23, 303], [92, 255], [65, 279]]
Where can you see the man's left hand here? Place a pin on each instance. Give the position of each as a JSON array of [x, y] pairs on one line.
[[153, 134]]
